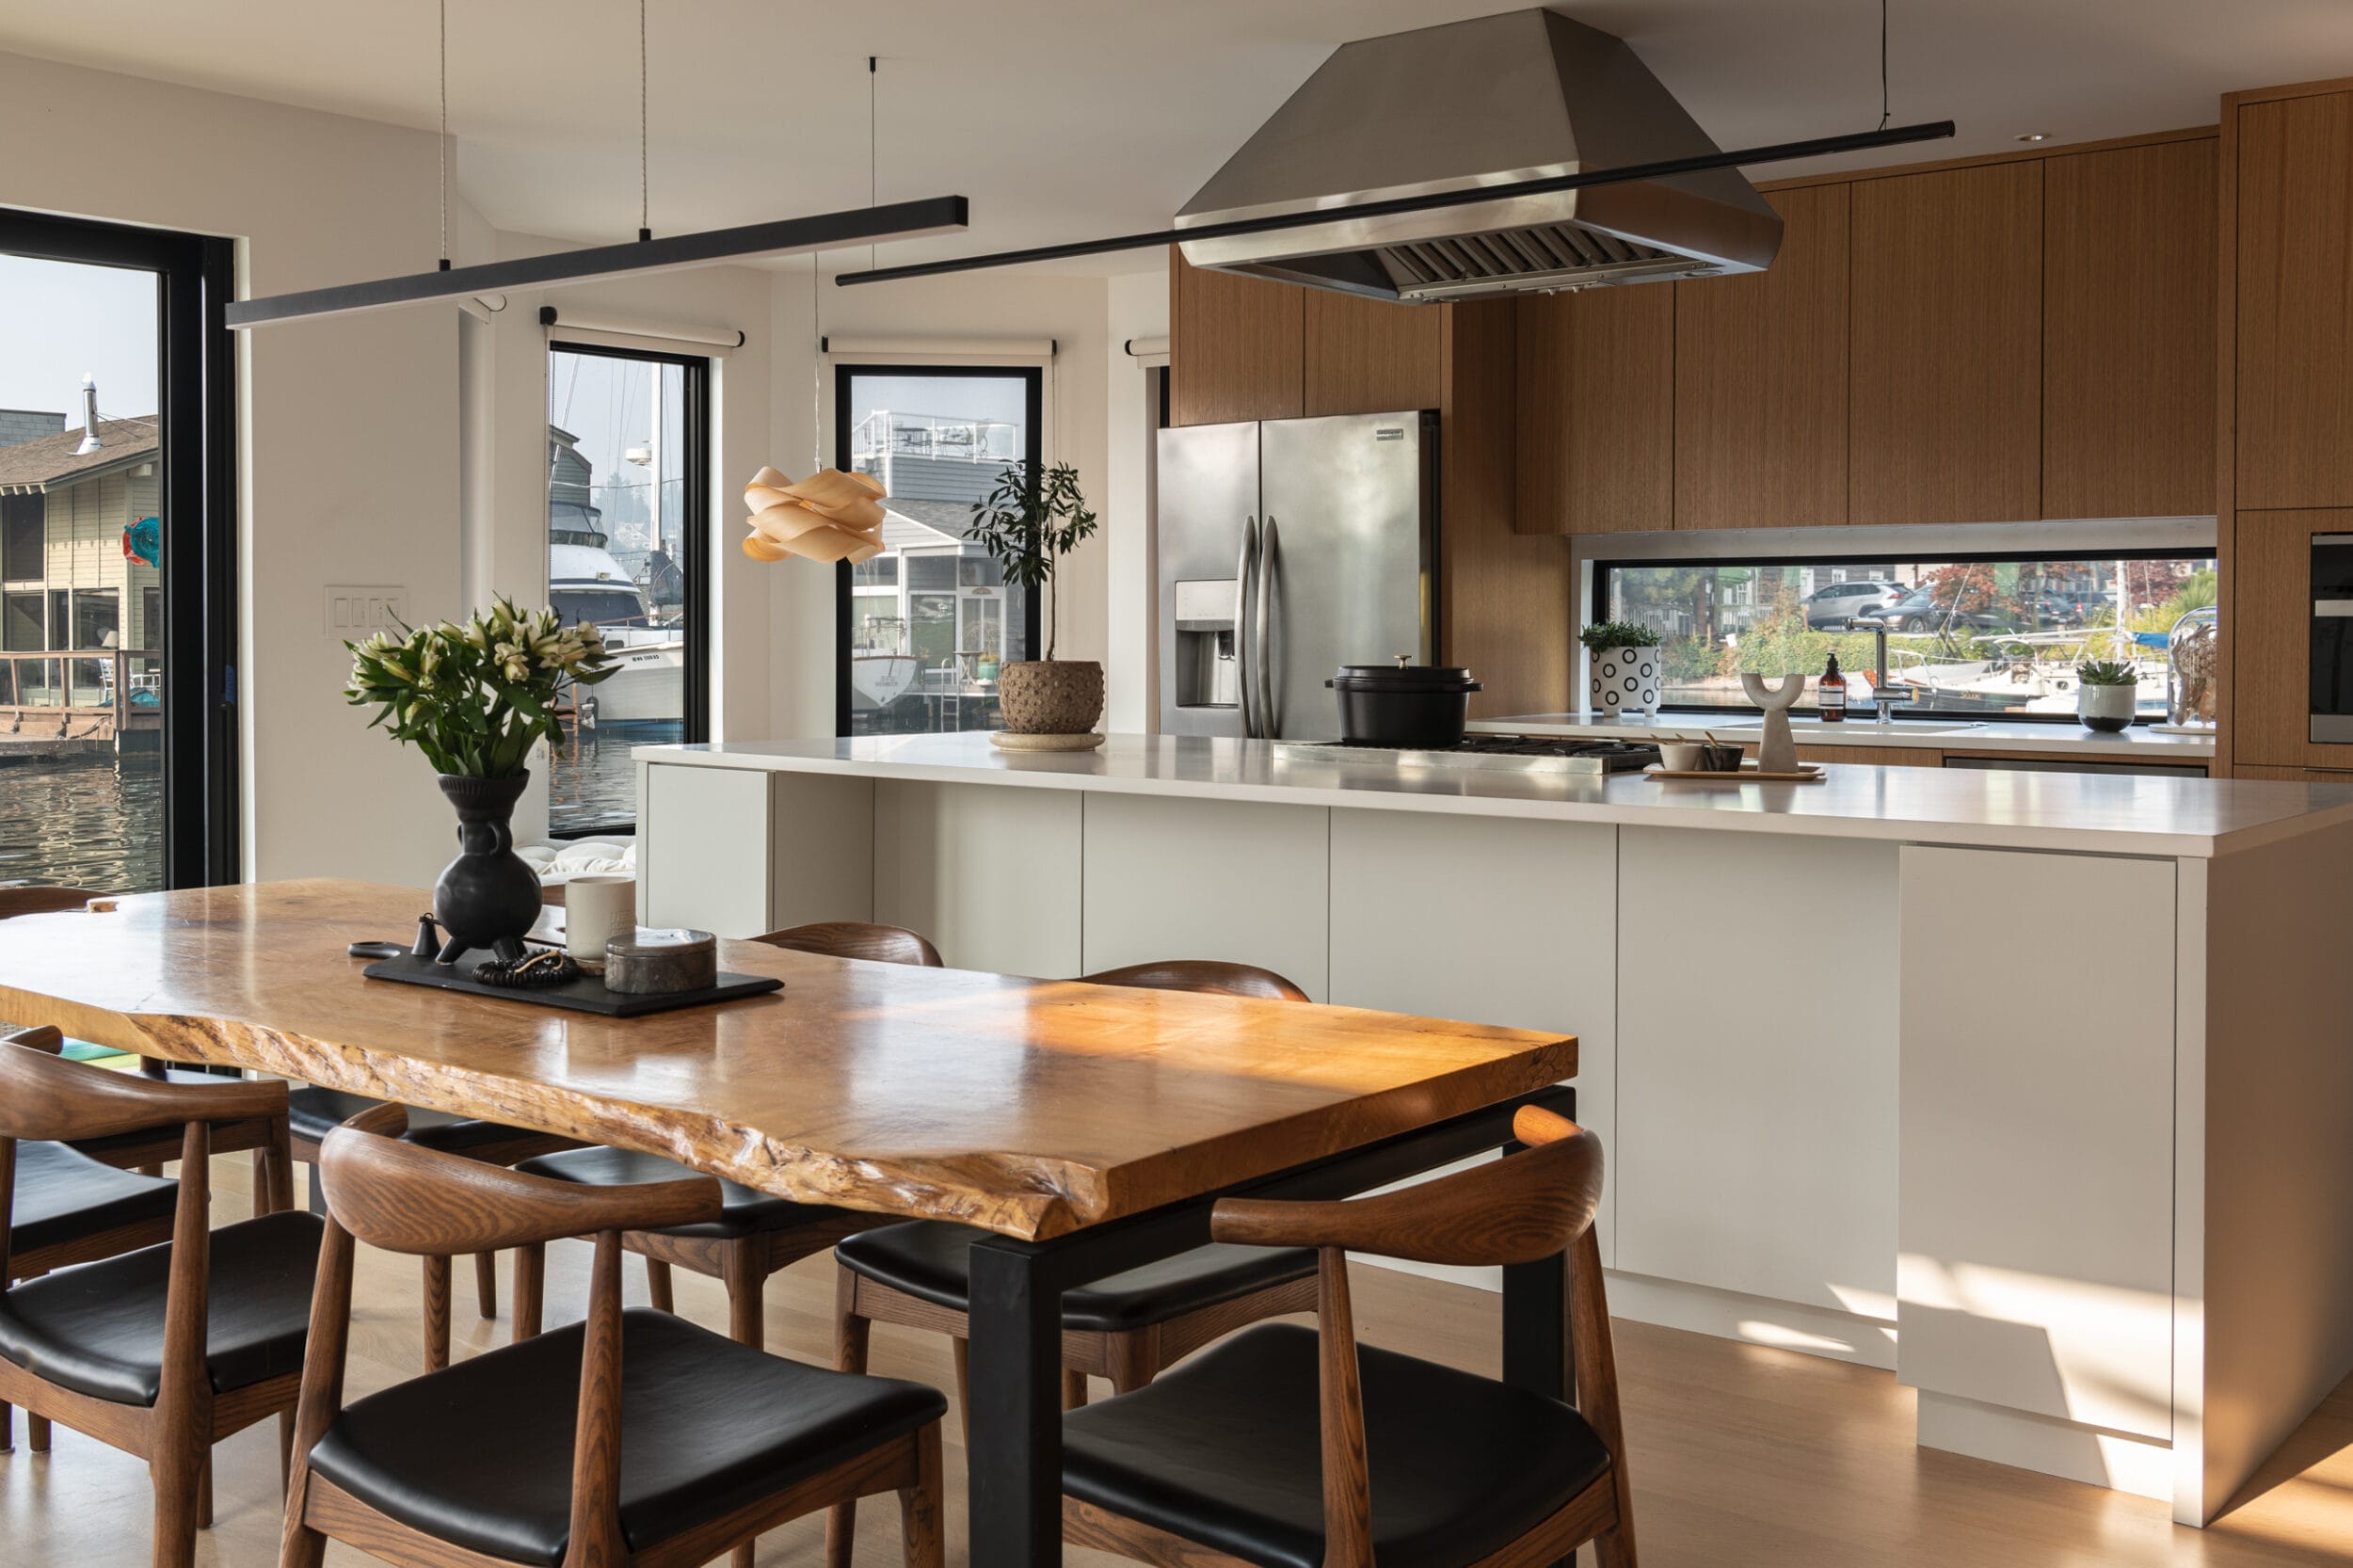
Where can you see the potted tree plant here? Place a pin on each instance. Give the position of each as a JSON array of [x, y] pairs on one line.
[[1626, 666], [2107, 693], [1028, 523], [473, 699]]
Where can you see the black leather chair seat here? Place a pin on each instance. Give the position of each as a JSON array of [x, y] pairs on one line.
[[312, 1113], [99, 1329], [480, 1455], [1225, 1450], [742, 1211], [925, 1258], [64, 1195]]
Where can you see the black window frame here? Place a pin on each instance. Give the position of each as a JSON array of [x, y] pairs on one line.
[[1598, 607], [1033, 451], [197, 397], [697, 563]]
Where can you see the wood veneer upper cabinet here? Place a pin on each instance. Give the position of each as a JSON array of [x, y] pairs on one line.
[[2295, 294], [2128, 342], [2268, 704], [1946, 405], [1370, 355], [1597, 410], [1237, 346], [1760, 381]]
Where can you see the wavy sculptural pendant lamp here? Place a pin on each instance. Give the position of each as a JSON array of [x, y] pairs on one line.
[[830, 515]]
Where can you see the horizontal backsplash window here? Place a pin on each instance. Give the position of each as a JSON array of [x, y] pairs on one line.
[[1962, 637]]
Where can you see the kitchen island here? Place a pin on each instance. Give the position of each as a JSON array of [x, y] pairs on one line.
[[2031, 1087]]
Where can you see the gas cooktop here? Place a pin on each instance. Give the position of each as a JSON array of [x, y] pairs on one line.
[[1527, 753]]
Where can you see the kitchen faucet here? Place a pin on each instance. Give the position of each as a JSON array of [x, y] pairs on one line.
[[1882, 699]]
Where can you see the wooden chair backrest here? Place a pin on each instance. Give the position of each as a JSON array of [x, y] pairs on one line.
[[1206, 975], [879, 944], [1519, 1210], [404, 1198], [42, 901], [45, 1097]]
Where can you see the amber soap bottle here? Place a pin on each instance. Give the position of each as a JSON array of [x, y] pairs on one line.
[[1830, 694]]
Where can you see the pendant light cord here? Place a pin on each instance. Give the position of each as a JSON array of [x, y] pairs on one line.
[[874, 155], [645, 200], [1883, 65], [440, 149]]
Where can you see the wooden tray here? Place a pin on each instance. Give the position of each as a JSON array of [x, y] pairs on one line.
[[1808, 773], [586, 995]]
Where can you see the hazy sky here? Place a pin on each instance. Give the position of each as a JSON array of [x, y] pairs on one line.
[[60, 321]]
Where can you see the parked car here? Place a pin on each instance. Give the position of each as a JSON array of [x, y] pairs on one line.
[[1922, 610], [1830, 608]]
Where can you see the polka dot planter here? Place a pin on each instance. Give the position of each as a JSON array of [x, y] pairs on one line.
[[1627, 680]]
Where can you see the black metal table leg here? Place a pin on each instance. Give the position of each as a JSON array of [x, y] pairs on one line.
[[1014, 1460]]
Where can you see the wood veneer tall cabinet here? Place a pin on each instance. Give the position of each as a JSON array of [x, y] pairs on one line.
[[2128, 351], [1760, 380], [2285, 425], [1597, 410], [1946, 422]]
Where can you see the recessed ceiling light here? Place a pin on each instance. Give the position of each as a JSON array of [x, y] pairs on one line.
[[2035, 135]]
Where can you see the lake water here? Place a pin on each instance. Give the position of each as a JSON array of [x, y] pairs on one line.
[[592, 782], [89, 821]]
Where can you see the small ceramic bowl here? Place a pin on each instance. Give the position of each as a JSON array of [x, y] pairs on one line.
[[1682, 756], [1720, 759]]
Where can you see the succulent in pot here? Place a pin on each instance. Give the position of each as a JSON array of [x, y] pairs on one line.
[[1028, 523], [1626, 666], [2107, 693]]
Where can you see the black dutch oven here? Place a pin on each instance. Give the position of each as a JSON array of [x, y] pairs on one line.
[[1412, 706]]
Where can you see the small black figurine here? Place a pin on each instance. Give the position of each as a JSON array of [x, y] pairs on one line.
[[428, 938]]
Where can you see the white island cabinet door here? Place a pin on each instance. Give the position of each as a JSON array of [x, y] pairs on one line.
[[2036, 1222], [1756, 1086], [989, 872], [1233, 880], [1490, 921], [703, 850]]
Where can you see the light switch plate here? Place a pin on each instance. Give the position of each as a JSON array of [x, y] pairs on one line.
[[360, 610]]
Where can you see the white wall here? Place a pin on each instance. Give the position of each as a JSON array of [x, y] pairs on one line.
[[347, 428], [1137, 308]]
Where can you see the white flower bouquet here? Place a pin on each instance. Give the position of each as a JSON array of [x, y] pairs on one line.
[[475, 697]]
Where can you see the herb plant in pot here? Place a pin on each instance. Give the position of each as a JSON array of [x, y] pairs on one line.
[[473, 699], [2107, 694], [1626, 666], [1028, 523]]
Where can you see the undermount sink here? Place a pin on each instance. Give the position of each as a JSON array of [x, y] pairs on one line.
[[1864, 726]]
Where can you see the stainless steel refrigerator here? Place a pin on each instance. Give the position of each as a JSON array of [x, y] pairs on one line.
[[1288, 547]]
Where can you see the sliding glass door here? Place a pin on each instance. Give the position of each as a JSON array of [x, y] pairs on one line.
[[629, 481], [925, 626], [117, 611]]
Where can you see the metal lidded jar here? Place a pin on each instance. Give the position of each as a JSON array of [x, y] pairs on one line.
[[1408, 705]]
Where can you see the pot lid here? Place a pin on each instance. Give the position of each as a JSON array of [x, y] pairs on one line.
[[1403, 677]]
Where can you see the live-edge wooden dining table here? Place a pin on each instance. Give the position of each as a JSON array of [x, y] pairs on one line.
[[1087, 1128]]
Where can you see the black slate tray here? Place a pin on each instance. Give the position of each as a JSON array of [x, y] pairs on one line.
[[586, 995]]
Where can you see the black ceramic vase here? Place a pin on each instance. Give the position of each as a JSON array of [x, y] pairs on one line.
[[488, 896]]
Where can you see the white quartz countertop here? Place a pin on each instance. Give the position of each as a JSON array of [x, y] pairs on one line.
[[2138, 743], [2110, 813]]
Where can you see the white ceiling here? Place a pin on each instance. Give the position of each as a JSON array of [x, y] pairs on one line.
[[1064, 119]]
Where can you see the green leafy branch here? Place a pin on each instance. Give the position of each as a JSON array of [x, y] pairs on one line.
[[1027, 525]]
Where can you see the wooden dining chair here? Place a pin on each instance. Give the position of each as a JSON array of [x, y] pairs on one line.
[[635, 1439], [757, 1233], [1296, 1448], [162, 1351], [1124, 1327]]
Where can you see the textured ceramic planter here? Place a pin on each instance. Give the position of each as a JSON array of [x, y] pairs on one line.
[[2108, 708], [1050, 696], [1627, 679], [488, 896]]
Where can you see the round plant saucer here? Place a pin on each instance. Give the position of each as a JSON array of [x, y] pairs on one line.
[[1004, 740]]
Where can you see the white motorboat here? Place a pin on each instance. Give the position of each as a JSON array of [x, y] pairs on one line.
[[878, 679]]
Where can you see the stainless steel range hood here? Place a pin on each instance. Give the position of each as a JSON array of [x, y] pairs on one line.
[[1520, 96]]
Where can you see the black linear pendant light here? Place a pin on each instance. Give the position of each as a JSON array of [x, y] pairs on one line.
[[784, 237]]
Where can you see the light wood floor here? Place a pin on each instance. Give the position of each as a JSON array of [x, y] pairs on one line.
[[1741, 1455]]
